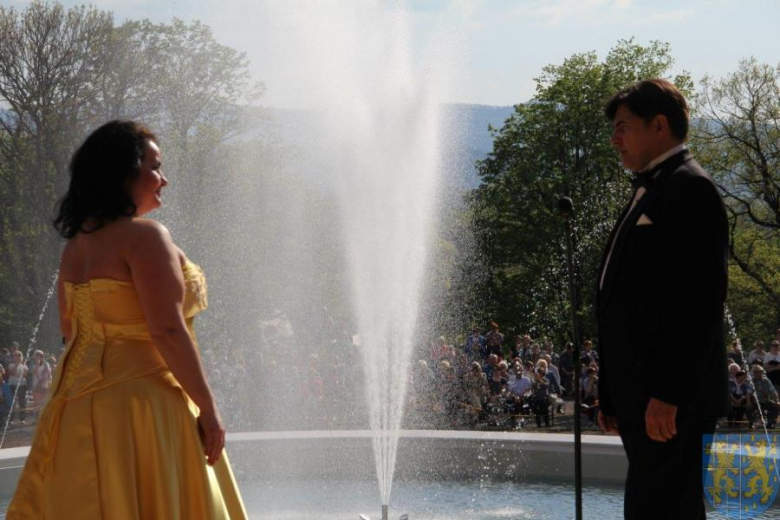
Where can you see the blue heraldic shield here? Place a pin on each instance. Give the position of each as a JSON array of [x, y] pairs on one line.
[[740, 473]]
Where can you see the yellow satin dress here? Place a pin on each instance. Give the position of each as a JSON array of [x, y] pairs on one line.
[[119, 438]]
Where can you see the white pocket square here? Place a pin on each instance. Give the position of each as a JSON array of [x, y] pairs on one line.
[[644, 220]]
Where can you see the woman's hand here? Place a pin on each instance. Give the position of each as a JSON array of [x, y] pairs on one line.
[[212, 434]]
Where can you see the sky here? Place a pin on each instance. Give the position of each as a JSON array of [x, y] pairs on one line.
[[501, 45]]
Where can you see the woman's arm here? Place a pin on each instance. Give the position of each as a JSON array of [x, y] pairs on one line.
[[65, 325], [156, 268]]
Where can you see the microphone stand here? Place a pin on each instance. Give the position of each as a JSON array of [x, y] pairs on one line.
[[566, 208]]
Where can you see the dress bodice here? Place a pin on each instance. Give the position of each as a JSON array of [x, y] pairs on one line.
[[110, 341], [115, 303]]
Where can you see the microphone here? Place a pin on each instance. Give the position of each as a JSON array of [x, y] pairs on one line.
[[566, 209]]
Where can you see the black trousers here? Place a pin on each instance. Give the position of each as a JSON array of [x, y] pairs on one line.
[[665, 478]]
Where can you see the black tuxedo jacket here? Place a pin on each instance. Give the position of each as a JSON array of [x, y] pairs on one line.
[[660, 308]]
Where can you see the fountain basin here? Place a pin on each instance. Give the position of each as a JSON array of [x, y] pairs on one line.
[[427, 455], [424, 455], [452, 475]]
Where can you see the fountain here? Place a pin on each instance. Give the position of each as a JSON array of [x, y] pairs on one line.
[[383, 149]]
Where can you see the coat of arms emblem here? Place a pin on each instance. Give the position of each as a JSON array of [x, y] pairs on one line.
[[741, 476]]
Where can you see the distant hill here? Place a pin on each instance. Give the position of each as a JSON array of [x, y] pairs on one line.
[[475, 141], [469, 142]]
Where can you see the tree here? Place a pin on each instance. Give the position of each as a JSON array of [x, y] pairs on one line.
[[737, 139], [202, 95], [63, 72], [49, 68], [557, 144]]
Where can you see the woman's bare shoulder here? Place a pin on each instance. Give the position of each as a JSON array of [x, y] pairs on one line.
[[145, 231], [146, 227]]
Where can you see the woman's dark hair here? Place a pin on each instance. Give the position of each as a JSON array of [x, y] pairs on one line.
[[101, 172], [650, 98]]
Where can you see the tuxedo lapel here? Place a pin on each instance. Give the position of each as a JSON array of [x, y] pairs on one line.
[[600, 289], [629, 218]]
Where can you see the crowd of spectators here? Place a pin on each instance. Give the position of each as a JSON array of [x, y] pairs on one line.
[[753, 380], [23, 384], [482, 381], [485, 383]]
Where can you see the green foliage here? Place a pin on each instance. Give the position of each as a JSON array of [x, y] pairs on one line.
[[557, 144], [737, 139], [754, 314], [63, 72]]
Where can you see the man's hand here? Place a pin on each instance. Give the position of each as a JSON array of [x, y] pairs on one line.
[[608, 423], [660, 420]]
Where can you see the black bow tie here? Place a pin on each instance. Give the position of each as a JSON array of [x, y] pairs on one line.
[[643, 179]]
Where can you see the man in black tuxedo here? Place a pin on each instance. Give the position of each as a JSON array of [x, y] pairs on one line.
[[663, 379]]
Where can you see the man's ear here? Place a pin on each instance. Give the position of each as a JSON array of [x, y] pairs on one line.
[[660, 124]]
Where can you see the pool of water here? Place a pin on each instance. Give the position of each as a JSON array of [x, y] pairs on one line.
[[346, 500], [425, 501]]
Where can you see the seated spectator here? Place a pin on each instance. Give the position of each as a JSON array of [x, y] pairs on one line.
[[554, 386], [439, 349], [757, 354], [475, 346], [587, 350], [540, 396], [534, 354], [17, 382], [41, 379], [475, 387], [490, 365], [765, 396], [494, 340], [772, 363], [736, 353], [499, 379], [740, 397], [5, 357], [462, 366], [733, 369], [590, 394], [6, 397], [517, 395], [520, 383], [553, 372]]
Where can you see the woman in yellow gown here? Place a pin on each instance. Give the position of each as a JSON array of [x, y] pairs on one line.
[[131, 430]]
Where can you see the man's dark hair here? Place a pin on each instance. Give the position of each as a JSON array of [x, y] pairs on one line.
[[651, 97], [101, 173]]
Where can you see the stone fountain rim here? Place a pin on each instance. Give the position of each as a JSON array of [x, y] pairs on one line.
[[561, 440]]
